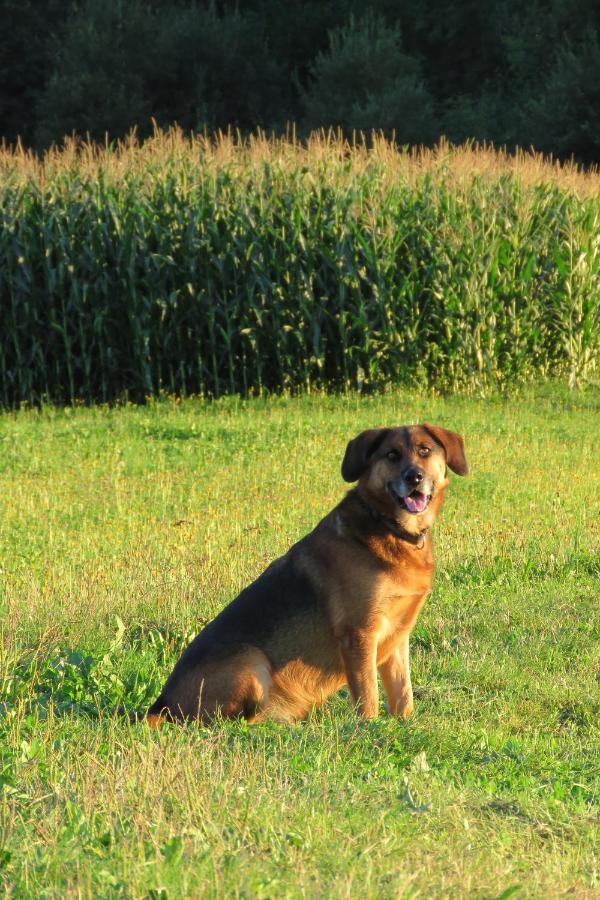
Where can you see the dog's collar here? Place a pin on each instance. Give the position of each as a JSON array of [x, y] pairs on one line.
[[417, 540]]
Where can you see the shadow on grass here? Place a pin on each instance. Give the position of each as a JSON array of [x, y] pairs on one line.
[[122, 679], [170, 433]]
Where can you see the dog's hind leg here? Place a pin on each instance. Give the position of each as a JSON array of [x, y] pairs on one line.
[[242, 690], [236, 686]]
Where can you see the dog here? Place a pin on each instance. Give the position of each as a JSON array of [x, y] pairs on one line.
[[339, 606]]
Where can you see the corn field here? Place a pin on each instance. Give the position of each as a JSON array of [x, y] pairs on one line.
[[221, 266]]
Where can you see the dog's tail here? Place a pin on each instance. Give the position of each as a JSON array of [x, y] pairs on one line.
[[158, 713]]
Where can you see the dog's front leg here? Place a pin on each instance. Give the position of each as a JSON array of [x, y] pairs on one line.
[[395, 674], [359, 653]]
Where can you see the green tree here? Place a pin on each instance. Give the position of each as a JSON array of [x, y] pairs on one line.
[[459, 44], [564, 117], [98, 81], [215, 69], [118, 65], [24, 61], [365, 80]]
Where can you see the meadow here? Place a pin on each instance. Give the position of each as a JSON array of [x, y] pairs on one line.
[[125, 528], [227, 266]]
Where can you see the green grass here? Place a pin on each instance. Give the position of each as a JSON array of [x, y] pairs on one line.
[[124, 529]]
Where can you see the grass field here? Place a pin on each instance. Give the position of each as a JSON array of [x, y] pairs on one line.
[[123, 530]]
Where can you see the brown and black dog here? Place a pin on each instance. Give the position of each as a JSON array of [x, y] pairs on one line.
[[339, 605]]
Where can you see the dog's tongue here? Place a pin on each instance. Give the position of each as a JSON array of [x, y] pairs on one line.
[[415, 502]]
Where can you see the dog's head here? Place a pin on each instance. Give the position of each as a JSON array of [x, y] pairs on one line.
[[402, 472]]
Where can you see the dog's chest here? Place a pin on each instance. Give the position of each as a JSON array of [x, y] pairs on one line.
[[399, 605]]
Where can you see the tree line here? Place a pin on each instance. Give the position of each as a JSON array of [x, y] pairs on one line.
[[513, 72]]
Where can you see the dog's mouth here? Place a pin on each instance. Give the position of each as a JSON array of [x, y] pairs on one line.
[[415, 502]]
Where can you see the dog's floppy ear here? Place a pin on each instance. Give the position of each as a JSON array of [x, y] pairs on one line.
[[359, 451], [454, 446]]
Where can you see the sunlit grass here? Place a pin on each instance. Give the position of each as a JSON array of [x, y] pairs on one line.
[[325, 151], [124, 529]]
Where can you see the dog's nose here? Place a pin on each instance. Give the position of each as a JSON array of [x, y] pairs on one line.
[[413, 475]]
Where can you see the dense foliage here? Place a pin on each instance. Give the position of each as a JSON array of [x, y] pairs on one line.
[[520, 73], [194, 267]]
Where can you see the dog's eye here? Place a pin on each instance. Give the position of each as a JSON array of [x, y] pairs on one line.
[[424, 451], [393, 455]]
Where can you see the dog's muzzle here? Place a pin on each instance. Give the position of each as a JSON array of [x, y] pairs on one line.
[[412, 499]]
